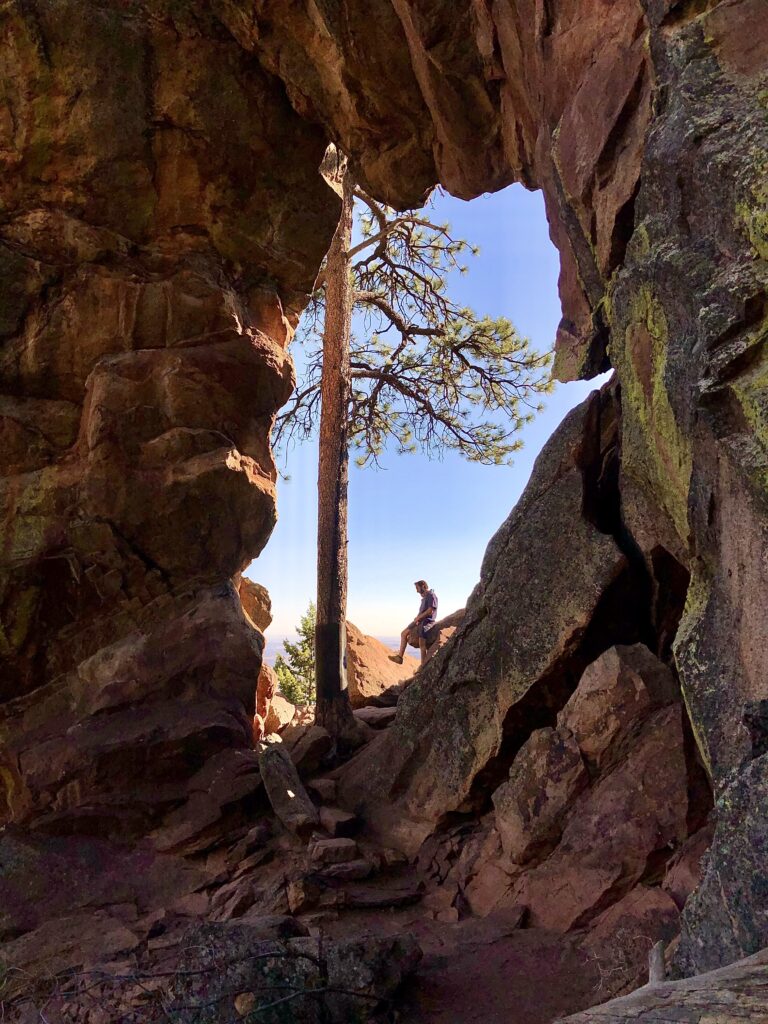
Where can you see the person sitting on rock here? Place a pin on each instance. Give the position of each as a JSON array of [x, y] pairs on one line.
[[421, 625]]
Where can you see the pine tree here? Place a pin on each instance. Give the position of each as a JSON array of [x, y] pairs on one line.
[[296, 676]]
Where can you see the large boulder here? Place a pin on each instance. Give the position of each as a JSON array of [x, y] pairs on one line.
[[630, 818], [279, 714], [597, 810], [618, 690], [370, 672], [256, 602]]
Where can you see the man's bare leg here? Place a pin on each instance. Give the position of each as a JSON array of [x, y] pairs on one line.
[[423, 650], [403, 644]]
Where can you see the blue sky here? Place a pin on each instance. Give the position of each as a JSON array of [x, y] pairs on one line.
[[415, 517]]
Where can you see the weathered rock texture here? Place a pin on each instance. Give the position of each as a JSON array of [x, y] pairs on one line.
[[645, 125], [256, 602], [735, 993], [557, 704], [157, 236], [369, 670], [161, 222]]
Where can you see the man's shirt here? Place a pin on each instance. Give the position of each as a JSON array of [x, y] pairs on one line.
[[429, 601]]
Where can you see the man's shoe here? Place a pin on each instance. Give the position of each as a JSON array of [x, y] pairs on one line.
[[397, 658]]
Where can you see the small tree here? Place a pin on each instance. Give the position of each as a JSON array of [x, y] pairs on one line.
[[420, 370], [296, 676]]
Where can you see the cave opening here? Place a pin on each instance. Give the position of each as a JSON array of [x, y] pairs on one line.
[[516, 276]]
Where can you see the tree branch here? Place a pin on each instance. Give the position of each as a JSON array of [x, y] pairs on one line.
[[407, 330]]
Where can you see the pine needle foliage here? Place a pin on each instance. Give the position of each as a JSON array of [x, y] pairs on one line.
[[427, 372], [296, 675]]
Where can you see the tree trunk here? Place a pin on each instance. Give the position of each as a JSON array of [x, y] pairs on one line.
[[333, 709]]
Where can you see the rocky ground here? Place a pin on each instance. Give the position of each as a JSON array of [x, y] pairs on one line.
[[296, 893]]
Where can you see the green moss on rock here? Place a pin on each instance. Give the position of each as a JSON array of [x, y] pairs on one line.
[[656, 449], [687, 656], [752, 212]]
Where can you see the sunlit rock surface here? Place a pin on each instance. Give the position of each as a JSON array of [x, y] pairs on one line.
[[370, 671]]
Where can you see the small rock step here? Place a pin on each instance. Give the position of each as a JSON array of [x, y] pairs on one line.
[[376, 718], [349, 871], [369, 898], [331, 851]]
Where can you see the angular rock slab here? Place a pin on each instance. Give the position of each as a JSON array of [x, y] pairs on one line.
[[307, 745], [286, 793], [617, 690], [279, 715], [546, 777], [369, 669], [636, 811], [615, 694], [110, 747], [331, 851], [257, 603]]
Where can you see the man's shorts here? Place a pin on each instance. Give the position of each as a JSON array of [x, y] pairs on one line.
[[429, 633]]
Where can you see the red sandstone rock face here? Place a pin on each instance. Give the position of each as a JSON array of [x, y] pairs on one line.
[[579, 848], [617, 690], [156, 239], [114, 743], [614, 830], [256, 602], [266, 688], [546, 777], [369, 671], [279, 715]]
